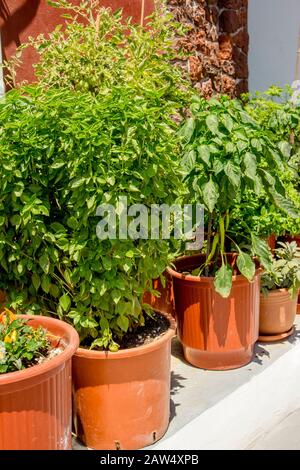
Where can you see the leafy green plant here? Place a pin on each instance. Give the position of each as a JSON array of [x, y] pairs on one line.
[[228, 153], [100, 125], [21, 345], [98, 49], [276, 113], [284, 272], [63, 154]]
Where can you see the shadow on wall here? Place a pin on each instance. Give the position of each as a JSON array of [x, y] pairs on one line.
[[14, 23]]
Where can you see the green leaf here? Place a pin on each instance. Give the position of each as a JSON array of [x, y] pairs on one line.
[[204, 153], [46, 282], [212, 123], [188, 161], [58, 164], [44, 263], [228, 122], [285, 149], [246, 265], [250, 165], [223, 281], [65, 302], [116, 295], [187, 129], [210, 194], [233, 172], [262, 250], [54, 291], [285, 204], [36, 281], [123, 322]]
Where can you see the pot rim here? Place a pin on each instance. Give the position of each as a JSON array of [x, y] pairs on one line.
[[204, 279], [277, 293], [131, 352], [57, 361]]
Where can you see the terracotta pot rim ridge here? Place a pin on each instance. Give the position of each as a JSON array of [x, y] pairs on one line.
[[131, 352], [205, 279]]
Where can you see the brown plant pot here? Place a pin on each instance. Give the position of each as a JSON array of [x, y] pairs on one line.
[[122, 399], [35, 403], [277, 312], [272, 241], [215, 333], [164, 303]]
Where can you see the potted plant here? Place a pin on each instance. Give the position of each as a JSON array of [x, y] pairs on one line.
[[85, 144], [35, 382], [217, 292], [280, 285]]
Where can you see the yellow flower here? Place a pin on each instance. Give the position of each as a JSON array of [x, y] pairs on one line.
[[11, 338]]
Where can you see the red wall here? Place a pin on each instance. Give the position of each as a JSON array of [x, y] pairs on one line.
[[20, 19]]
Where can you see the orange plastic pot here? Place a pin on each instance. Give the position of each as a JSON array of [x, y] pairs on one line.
[[277, 312], [215, 333], [164, 303], [122, 399], [36, 403]]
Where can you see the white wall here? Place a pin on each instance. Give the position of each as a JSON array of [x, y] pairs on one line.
[[273, 29]]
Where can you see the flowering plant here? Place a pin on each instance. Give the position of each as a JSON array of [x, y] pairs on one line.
[[21, 345]]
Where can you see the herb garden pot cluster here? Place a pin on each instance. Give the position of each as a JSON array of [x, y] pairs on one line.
[[85, 135]]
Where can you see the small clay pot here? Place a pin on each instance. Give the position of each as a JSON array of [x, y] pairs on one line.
[[277, 312]]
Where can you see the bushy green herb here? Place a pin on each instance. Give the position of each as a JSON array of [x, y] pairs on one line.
[[228, 153], [63, 154], [285, 270], [99, 49], [101, 124], [21, 345], [280, 119]]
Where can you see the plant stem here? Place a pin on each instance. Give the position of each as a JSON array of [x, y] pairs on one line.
[[142, 12], [208, 246]]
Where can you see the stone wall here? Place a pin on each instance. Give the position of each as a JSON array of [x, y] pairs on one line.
[[216, 44]]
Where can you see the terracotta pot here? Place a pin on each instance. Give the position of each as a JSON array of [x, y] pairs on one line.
[[272, 241], [164, 303], [277, 312], [215, 333], [36, 404], [122, 399], [293, 238]]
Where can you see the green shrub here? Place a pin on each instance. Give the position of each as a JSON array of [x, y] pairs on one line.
[[64, 153], [280, 119], [100, 125], [227, 154]]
